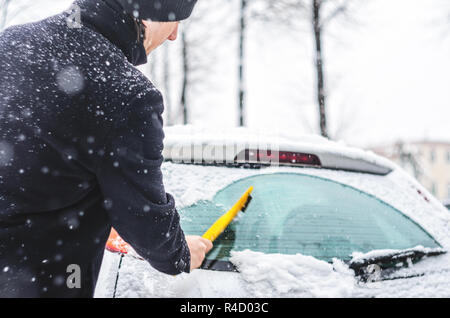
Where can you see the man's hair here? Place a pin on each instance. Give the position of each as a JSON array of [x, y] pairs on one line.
[[140, 29]]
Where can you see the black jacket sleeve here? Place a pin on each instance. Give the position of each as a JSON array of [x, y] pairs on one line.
[[131, 181]]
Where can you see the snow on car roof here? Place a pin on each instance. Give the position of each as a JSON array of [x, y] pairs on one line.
[[190, 134], [187, 143]]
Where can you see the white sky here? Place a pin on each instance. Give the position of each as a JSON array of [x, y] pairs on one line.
[[400, 70], [388, 76]]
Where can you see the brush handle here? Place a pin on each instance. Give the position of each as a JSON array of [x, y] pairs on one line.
[[221, 224]]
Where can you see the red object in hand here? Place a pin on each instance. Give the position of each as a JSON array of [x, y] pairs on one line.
[[116, 244]]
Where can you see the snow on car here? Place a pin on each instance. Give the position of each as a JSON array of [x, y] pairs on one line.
[[326, 220], [447, 204]]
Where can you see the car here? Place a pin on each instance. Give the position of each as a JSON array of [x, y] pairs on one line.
[[325, 220]]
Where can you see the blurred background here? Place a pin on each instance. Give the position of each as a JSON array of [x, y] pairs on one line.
[[370, 73]]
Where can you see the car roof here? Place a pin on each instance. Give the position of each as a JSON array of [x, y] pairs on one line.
[[191, 144]]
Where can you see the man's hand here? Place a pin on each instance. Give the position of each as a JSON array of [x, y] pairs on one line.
[[199, 247]]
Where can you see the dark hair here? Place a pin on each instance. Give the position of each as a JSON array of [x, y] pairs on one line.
[[140, 29]]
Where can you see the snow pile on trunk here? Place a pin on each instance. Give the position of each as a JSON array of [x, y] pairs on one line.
[[272, 275], [276, 275], [137, 279], [261, 275]]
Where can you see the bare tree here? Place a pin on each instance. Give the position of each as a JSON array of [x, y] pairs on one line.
[[166, 82], [159, 72], [183, 67], [197, 54], [186, 73], [321, 17], [317, 27], [407, 155], [320, 13], [152, 66], [241, 80], [409, 159]]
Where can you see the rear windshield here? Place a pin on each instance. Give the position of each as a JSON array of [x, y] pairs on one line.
[[296, 213]]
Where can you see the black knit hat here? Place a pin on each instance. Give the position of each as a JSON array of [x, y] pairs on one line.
[[159, 10]]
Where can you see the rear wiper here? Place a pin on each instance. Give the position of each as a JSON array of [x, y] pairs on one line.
[[379, 265]]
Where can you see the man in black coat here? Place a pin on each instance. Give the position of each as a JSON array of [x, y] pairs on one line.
[[81, 144]]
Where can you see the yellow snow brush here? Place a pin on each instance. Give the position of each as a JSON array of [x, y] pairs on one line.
[[221, 224]]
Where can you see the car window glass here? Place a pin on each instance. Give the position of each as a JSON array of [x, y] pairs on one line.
[[295, 213]]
